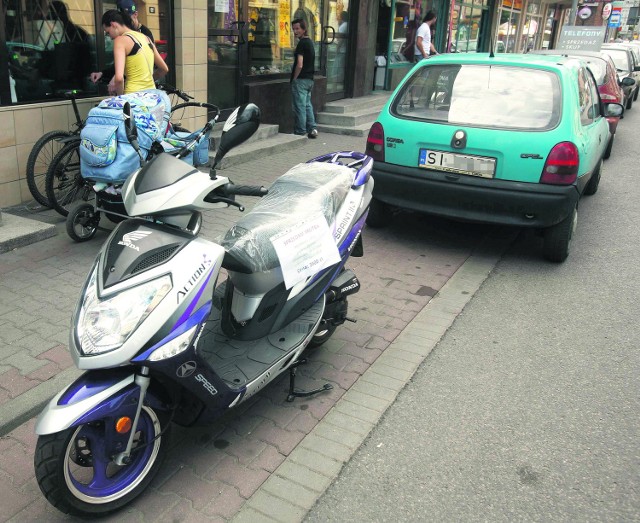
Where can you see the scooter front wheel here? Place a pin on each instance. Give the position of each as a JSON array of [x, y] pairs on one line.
[[77, 474]]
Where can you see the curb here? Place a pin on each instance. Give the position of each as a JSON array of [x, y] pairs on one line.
[[16, 231], [25, 406], [297, 484]]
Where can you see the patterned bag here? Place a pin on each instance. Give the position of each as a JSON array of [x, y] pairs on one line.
[[105, 152]]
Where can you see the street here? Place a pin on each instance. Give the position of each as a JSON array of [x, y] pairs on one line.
[[527, 410], [211, 471]]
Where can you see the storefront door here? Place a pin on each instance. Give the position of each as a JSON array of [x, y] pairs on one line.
[[335, 46], [225, 39]]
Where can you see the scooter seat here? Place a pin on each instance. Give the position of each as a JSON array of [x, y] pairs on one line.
[[304, 192]]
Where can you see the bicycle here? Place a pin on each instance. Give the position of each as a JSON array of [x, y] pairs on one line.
[[45, 150], [64, 183]]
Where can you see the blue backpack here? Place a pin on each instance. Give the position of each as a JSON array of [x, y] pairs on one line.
[[105, 152]]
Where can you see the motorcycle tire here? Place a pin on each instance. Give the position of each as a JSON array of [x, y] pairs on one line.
[[322, 335], [79, 481]]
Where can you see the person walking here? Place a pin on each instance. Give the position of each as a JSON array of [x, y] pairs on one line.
[[134, 55], [424, 46], [302, 81]]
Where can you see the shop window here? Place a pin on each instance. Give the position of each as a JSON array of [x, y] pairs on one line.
[[51, 48], [508, 27], [532, 29], [466, 21], [270, 38]]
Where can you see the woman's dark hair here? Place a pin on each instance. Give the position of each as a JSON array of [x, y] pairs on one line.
[[119, 17], [429, 16]]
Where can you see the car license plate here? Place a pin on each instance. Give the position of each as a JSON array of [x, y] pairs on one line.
[[457, 163]]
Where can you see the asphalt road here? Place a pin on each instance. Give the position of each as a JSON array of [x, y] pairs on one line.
[[528, 409]]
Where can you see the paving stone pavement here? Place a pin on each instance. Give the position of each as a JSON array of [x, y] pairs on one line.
[[268, 459]]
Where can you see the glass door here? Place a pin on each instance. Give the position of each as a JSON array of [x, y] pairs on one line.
[[335, 46], [224, 40]]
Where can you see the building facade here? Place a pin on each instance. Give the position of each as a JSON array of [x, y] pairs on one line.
[[229, 52]]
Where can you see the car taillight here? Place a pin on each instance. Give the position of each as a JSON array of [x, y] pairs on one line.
[[375, 142], [561, 167], [605, 97]]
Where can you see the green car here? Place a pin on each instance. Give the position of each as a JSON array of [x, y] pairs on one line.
[[506, 139]]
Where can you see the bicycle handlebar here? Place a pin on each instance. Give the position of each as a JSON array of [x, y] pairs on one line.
[[205, 105], [170, 89]]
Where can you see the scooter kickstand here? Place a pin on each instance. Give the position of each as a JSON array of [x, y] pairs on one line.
[[293, 393]]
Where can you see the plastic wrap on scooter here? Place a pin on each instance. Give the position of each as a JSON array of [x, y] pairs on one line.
[[304, 192]]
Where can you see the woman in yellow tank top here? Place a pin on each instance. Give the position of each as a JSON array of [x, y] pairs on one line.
[[134, 55]]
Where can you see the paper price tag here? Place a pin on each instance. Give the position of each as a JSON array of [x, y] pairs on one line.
[[305, 250]]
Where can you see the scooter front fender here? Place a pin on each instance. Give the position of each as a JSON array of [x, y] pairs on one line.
[[94, 395]]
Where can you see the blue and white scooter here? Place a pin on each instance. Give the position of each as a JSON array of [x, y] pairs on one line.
[[161, 343]]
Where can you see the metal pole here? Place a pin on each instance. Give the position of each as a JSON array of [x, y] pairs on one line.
[[572, 13]]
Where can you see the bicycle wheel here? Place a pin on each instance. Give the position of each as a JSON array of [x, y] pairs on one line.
[[64, 183], [40, 157]]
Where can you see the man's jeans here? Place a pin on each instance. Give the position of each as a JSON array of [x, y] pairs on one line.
[[304, 121]]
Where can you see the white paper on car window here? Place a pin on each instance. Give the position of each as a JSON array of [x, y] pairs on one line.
[[305, 250]]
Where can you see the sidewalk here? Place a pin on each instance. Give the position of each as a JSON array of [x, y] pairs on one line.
[[269, 459]]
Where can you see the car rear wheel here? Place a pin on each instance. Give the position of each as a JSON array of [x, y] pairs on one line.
[[592, 186], [629, 103], [607, 152], [379, 214], [557, 239]]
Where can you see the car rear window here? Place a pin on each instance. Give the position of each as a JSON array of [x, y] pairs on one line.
[[598, 68], [501, 97], [620, 58]]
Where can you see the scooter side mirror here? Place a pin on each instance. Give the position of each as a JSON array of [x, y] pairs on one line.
[[238, 128]]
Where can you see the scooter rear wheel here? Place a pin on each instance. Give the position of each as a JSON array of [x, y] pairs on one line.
[[322, 335], [78, 476]]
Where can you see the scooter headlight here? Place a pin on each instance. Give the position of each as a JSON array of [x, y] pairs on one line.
[[104, 325]]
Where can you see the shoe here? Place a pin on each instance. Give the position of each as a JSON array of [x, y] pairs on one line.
[[313, 134]]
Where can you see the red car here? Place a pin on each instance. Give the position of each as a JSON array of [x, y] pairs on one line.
[[604, 72]]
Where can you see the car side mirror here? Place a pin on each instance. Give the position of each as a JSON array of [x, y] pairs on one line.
[[628, 82], [613, 110]]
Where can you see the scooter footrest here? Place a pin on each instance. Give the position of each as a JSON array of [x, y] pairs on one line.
[[238, 362]]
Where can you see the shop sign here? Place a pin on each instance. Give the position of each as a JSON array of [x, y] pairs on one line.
[[606, 11], [614, 19], [284, 22], [584, 12], [581, 38]]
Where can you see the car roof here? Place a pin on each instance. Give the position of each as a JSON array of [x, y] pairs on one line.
[[564, 52], [616, 46], [556, 63]]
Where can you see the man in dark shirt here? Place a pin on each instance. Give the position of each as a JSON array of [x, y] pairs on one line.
[[129, 7], [302, 81]]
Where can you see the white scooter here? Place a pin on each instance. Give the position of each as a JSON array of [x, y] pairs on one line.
[[160, 342]]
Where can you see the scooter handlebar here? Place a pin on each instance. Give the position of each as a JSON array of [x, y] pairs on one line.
[[246, 190]]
